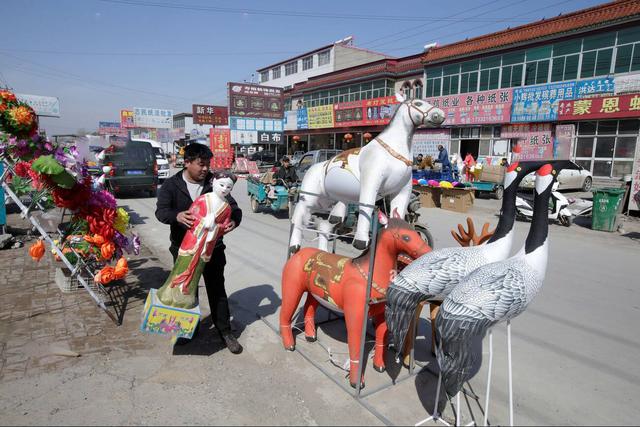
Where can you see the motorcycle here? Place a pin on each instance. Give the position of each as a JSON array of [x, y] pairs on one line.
[[561, 208]]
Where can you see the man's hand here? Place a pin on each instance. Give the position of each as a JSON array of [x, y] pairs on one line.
[[186, 218], [229, 227]]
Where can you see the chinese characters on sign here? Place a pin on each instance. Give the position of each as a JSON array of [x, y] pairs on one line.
[[244, 137], [493, 106], [600, 108], [126, 119], [302, 118], [534, 140], [269, 125], [111, 128], [320, 117], [43, 105], [249, 100], [378, 111], [220, 143], [426, 142], [270, 137], [210, 115], [591, 87], [563, 142], [540, 103], [153, 118], [348, 114]]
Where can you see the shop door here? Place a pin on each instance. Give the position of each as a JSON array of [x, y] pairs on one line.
[[469, 146]]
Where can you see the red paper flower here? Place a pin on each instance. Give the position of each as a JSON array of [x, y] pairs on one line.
[[22, 169]]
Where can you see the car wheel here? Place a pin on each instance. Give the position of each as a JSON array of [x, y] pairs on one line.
[[588, 182], [255, 206], [498, 193]]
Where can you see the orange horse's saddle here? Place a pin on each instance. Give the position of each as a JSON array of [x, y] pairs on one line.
[[329, 269]]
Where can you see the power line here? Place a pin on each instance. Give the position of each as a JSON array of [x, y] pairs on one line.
[[94, 53], [247, 11]]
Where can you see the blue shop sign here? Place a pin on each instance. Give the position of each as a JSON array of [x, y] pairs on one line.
[[303, 118], [540, 103], [587, 88]]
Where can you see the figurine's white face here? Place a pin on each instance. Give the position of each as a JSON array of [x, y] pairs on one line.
[[222, 187]]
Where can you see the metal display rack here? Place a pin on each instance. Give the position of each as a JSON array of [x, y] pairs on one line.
[[76, 269]]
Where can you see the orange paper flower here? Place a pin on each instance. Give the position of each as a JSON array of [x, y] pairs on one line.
[[96, 239], [105, 275], [122, 268], [107, 250], [23, 115], [36, 251]]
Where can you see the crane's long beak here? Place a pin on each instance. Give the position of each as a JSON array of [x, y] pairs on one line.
[[402, 302]]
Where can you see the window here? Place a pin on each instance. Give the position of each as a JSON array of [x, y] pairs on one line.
[[596, 63], [607, 147], [291, 68], [307, 63], [264, 76], [417, 89], [565, 68], [489, 79], [511, 76], [406, 90], [275, 72], [433, 81], [536, 72], [324, 58]]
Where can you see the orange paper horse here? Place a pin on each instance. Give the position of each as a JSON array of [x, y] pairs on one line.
[[339, 283]]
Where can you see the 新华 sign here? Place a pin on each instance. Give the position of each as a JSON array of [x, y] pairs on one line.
[[210, 115]]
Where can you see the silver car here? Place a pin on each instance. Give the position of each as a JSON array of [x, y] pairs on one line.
[[568, 179]]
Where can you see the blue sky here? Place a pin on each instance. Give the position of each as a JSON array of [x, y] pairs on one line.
[[99, 56]]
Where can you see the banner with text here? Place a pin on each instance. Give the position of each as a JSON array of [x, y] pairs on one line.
[[153, 118], [47, 106], [126, 119], [348, 114], [563, 142], [534, 140], [220, 144], [251, 100], [244, 137], [210, 115], [111, 128], [491, 106], [379, 111], [600, 108], [426, 142], [320, 117]]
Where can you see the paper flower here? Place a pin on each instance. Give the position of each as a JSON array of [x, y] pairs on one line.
[[36, 251], [122, 220]]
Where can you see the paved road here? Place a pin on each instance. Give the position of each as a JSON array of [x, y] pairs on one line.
[[575, 351]]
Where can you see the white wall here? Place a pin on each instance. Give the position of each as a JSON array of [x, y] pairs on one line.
[[301, 75]]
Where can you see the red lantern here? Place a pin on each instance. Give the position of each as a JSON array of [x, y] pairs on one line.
[[367, 136], [296, 138], [348, 137]]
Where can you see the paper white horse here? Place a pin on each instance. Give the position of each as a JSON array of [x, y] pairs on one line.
[[379, 169]]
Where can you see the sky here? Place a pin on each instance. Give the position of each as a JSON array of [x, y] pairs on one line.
[[101, 56]]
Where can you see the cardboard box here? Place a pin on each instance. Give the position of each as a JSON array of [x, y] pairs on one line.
[[158, 318], [456, 199], [429, 196], [492, 173]]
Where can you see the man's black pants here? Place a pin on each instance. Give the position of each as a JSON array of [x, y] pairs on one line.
[[214, 282]]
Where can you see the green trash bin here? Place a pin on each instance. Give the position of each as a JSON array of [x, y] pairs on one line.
[[606, 202]]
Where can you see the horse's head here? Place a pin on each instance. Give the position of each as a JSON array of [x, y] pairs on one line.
[[400, 236], [421, 112]]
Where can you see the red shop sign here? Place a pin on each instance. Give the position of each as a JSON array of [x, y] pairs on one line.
[[600, 108]]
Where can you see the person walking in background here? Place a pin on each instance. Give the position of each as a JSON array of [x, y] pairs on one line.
[[174, 200], [443, 159], [469, 162]]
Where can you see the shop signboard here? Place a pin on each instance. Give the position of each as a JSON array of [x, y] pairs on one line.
[[610, 107], [126, 119], [592, 87], [563, 142], [491, 106], [534, 140], [290, 120], [629, 83], [320, 117], [220, 144], [252, 100], [244, 137], [160, 135], [348, 114], [47, 106], [153, 118], [302, 118], [248, 123], [210, 115], [378, 111], [111, 128], [426, 141], [270, 137], [634, 198], [540, 103]]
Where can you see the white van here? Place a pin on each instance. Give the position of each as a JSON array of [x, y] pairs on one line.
[[161, 158]]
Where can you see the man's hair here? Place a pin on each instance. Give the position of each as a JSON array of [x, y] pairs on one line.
[[196, 151], [285, 159]]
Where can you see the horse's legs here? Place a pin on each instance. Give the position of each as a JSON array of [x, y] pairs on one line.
[[300, 219], [324, 228], [400, 201], [293, 287], [310, 306], [354, 317], [369, 186], [338, 213], [381, 335]]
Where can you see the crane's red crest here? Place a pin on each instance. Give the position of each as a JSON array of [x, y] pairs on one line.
[[545, 170]]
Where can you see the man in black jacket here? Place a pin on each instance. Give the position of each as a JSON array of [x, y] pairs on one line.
[[174, 199], [287, 172]]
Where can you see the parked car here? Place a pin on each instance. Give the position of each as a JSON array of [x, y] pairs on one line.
[[568, 179], [310, 158], [295, 158], [161, 158], [133, 167], [263, 157]]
